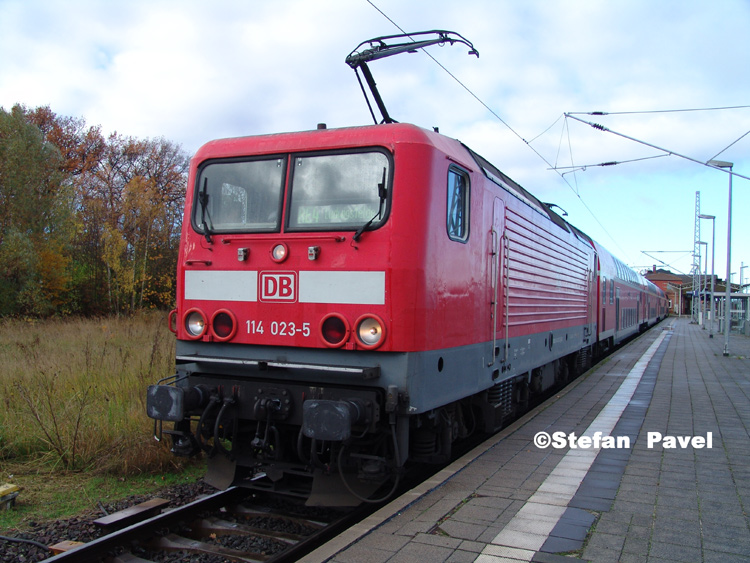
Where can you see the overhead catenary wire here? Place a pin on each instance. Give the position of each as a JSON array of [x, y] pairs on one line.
[[454, 77], [610, 163], [667, 151], [643, 112], [654, 111], [501, 120], [730, 145], [573, 169], [682, 253]]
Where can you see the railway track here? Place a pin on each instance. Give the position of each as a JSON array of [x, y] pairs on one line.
[[230, 526]]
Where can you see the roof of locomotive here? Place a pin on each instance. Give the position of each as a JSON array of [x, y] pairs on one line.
[[383, 134], [326, 139]]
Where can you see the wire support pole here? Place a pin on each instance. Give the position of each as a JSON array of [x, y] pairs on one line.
[[728, 295]]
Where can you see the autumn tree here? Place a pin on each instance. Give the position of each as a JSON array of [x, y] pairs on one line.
[[81, 149], [135, 197], [89, 225], [36, 219]]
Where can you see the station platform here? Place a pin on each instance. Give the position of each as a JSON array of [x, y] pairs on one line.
[[669, 480]]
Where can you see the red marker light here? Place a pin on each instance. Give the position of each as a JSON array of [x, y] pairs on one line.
[[334, 330]]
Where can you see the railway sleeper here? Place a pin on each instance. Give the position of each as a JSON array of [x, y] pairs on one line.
[[132, 514], [217, 526], [174, 542]]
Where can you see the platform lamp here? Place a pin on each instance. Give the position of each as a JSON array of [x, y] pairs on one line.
[[702, 287], [728, 304], [713, 276]]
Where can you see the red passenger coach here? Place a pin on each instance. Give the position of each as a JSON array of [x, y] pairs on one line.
[[352, 299], [628, 303]]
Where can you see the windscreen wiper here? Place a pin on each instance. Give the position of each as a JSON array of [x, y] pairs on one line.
[[205, 216], [382, 194]]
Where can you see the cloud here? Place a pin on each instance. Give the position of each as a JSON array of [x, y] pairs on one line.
[[191, 72]]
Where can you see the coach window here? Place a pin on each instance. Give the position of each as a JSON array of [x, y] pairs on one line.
[[458, 205]]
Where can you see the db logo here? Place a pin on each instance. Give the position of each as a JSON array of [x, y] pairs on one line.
[[278, 286]]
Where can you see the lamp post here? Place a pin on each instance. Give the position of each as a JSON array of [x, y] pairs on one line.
[[702, 287], [713, 256], [728, 304], [695, 302]]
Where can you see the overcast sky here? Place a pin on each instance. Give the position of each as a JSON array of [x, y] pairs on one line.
[[193, 71]]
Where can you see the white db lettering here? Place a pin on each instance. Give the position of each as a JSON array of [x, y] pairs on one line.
[[278, 286]]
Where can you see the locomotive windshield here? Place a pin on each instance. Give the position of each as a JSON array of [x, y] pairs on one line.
[[337, 191], [328, 192], [240, 196]]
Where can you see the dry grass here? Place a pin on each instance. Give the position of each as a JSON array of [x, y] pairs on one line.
[[73, 393], [73, 424]]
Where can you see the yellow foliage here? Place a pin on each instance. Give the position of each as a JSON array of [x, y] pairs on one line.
[[54, 275]]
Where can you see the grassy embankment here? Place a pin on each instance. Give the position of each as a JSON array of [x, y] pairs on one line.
[[73, 424]]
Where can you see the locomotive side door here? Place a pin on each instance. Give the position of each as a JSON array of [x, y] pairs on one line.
[[593, 291], [617, 310], [638, 307], [499, 249]]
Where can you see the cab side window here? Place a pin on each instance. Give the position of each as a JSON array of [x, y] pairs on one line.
[[457, 223]]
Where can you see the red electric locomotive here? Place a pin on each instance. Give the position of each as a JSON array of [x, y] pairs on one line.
[[350, 299], [353, 298]]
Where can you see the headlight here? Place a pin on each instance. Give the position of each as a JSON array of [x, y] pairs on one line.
[[223, 325], [279, 252], [370, 331], [195, 323], [334, 330]]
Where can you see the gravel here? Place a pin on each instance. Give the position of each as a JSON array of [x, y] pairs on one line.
[[80, 528]]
